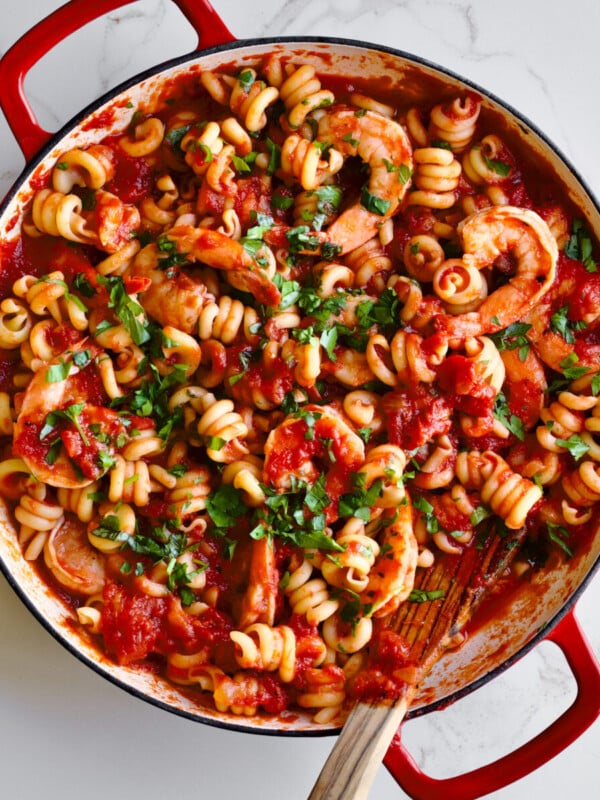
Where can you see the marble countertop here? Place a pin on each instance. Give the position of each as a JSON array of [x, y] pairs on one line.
[[65, 732]]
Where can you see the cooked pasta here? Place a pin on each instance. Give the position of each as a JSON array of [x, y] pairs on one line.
[[274, 349]]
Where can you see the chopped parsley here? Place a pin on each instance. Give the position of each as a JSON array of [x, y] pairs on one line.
[[499, 167], [558, 534], [244, 165], [423, 596], [127, 310], [163, 543], [374, 204], [168, 256], [225, 506], [572, 371], [504, 415], [174, 136], [67, 294], [246, 79], [579, 246], [296, 516], [565, 327], [478, 515], [302, 238], [575, 445], [361, 500], [58, 372], [328, 200], [151, 398], [82, 358], [274, 152], [70, 414], [403, 170], [83, 286], [514, 337], [383, 312], [432, 524]]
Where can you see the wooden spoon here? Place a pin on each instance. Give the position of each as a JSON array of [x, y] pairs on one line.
[[428, 629]]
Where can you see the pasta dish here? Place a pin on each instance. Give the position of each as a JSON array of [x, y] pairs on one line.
[[268, 352]]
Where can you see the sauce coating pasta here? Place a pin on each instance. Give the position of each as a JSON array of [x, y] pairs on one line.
[[267, 353]]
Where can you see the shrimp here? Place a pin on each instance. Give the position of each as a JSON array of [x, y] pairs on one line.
[[56, 412], [171, 299], [384, 146], [218, 251], [260, 599], [302, 444], [73, 561], [392, 576], [575, 300], [488, 234], [525, 385], [350, 368]]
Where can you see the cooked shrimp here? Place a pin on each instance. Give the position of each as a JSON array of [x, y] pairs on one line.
[[384, 146], [171, 299], [260, 599], [350, 368], [489, 234], [525, 385], [392, 576], [113, 220], [56, 412], [576, 294], [217, 250], [303, 446], [72, 559]]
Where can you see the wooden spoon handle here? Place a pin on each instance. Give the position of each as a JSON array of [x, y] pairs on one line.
[[358, 752]]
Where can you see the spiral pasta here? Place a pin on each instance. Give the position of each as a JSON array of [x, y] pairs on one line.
[[302, 159], [263, 648], [302, 94], [509, 495], [310, 596], [436, 177], [455, 122]]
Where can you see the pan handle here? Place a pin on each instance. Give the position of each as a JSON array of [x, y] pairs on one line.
[[584, 710], [33, 45]]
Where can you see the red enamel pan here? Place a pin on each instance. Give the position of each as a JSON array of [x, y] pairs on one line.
[[540, 609]]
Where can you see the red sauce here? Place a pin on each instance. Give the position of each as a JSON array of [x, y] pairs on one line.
[[36, 256], [9, 365], [100, 121], [273, 382], [388, 672], [134, 625], [63, 337], [464, 385], [134, 177], [416, 415]]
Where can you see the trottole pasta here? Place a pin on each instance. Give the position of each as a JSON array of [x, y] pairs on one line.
[[270, 350]]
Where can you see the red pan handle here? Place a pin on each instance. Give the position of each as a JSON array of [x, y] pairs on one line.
[[584, 710], [33, 45]]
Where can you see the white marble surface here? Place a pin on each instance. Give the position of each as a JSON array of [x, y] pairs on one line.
[[64, 732]]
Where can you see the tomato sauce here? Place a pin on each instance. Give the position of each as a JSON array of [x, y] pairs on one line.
[[9, 366], [37, 256], [388, 672], [416, 415], [134, 177]]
